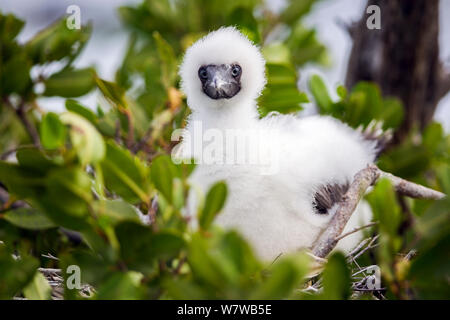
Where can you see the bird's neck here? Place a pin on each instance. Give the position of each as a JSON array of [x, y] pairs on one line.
[[240, 116]]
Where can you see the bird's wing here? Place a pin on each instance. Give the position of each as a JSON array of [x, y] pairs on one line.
[[374, 132], [327, 196]]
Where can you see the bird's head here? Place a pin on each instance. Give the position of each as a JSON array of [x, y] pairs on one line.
[[222, 69]]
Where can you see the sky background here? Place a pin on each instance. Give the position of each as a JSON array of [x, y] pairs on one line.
[[108, 43]]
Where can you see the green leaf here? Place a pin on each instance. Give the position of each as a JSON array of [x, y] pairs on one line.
[[238, 254], [295, 10], [418, 159], [20, 181], [281, 74], [277, 53], [10, 27], [204, 266], [285, 276], [281, 94], [342, 92], [85, 138], [246, 22], [183, 289], [163, 171], [28, 218], [57, 42], [70, 83], [15, 75], [336, 278], [385, 207], [34, 160], [121, 286], [75, 107], [125, 174], [320, 92], [115, 211], [15, 273], [429, 271], [66, 197], [38, 288], [167, 59], [140, 247], [305, 46], [53, 131], [94, 269], [112, 92], [215, 200], [392, 113]]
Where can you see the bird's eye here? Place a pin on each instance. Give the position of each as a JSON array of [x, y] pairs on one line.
[[202, 73], [236, 71]]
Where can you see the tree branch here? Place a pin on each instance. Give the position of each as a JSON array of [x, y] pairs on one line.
[[444, 85], [411, 189], [365, 178], [21, 114], [130, 137]]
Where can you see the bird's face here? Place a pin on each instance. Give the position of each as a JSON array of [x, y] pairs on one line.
[[220, 81], [222, 70]]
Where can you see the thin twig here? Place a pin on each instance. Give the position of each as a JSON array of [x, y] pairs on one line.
[[355, 254], [359, 247], [21, 113], [50, 256], [369, 290], [180, 265], [153, 208], [130, 137], [356, 230], [144, 140], [369, 247], [411, 254], [46, 271]]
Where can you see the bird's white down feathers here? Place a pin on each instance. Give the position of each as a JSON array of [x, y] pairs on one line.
[[273, 210]]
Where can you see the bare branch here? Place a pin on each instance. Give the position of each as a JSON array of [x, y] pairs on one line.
[[412, 189], [365, 178], [145, 140]]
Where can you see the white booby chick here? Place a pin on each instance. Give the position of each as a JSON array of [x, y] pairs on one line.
[[286, 207]]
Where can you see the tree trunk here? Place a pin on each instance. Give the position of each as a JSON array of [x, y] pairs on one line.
[[402, 58]]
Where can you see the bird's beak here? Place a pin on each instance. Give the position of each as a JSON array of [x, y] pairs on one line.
[[220, 83]]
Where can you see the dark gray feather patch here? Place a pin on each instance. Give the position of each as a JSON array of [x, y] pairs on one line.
[[327, 196]]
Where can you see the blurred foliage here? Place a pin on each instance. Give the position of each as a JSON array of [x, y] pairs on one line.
[[82, 185]]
